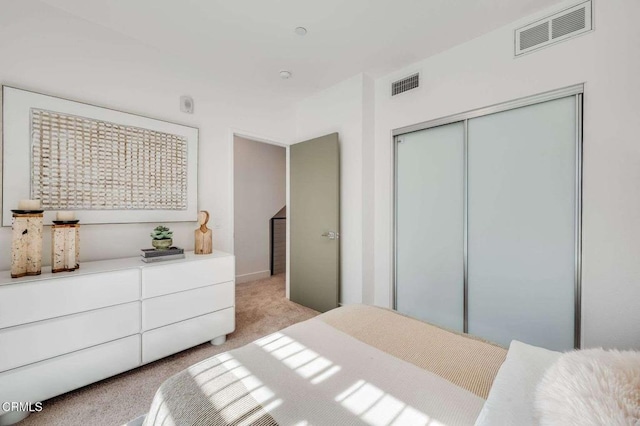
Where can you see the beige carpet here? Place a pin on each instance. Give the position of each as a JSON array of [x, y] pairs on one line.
[[261, 309]]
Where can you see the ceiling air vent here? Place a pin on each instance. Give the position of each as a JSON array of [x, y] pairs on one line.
[[405, 84], [555, 28]]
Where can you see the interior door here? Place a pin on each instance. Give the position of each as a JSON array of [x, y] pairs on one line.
[[314, 214]]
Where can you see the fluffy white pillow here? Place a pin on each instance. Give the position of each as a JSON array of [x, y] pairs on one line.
[[511, 397], [591, 387]]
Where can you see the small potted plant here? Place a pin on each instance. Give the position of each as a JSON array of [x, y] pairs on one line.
[[161, 238]]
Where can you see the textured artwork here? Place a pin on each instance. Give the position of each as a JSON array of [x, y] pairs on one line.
[[80, 163], [105, 165]]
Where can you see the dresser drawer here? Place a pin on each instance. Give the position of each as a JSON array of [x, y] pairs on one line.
[[35, 301], [38, 341], [158, 280], [164, 310], [46, 379], [173, 338]]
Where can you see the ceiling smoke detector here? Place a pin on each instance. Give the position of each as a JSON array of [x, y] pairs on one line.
[[301, 31], [285, 75]]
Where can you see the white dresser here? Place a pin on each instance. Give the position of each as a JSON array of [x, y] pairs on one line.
[[59, 332]]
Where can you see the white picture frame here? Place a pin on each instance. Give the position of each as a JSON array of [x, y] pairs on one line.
[[17, 105]]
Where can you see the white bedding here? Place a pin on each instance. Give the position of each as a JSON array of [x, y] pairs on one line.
[[512, 396], [311, 373]]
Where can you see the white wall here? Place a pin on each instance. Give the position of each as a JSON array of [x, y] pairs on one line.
[[340, 109], [47, 50], [368, 189], [259, 184], [484, 72]]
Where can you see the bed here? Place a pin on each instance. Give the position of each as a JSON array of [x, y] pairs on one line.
[[349, 366], [363, 365]]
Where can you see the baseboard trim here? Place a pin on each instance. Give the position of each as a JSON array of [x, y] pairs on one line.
[[244, 278]]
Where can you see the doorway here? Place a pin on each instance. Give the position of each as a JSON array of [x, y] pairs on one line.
[[259, 199]]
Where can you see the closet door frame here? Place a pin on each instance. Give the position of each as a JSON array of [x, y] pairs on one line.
[[578, 92]]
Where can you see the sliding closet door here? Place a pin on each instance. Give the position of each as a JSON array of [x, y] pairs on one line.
[[429, 219], [521, 224]]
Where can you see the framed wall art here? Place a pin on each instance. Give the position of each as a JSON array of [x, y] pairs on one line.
[[106, 165]]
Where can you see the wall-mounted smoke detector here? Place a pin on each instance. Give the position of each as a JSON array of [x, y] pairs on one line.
[[553, 29], [408, 83], [301, 31], [285, 75], [186, 104]]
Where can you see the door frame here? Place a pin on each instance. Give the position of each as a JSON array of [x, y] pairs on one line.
[[270, 141], [576, 90]]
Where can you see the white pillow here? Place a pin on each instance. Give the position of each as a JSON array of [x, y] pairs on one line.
[[511, 399], [591, 387]]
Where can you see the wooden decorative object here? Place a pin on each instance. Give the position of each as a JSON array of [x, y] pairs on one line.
[[65, 247], [203, 235], [26, 246]]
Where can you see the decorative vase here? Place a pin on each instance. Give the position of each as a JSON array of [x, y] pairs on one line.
[[162, 244]]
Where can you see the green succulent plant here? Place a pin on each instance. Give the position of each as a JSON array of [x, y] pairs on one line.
[[161, 233]]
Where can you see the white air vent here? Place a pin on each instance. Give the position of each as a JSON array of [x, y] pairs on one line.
[[555, 28], [405, 84]]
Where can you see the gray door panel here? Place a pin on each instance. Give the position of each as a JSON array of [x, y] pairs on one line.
[[315, 214]]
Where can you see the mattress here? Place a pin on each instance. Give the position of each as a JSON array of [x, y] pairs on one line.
[[355, 365]]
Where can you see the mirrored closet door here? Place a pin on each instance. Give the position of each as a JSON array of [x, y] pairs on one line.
[[487, 221]]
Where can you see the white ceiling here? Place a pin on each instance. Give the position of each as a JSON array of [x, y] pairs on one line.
[[247, 42]]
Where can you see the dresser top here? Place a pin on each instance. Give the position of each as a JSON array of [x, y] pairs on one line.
[[100, 266]]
